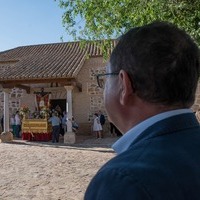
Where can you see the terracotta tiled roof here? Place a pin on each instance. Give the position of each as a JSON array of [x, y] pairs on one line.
[[45, 61]]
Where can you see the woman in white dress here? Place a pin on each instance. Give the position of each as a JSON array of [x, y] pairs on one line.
[[97, 128]]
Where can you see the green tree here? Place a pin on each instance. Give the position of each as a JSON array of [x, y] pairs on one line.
[[105, 19]]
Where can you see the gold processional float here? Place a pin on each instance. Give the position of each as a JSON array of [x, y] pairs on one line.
[[37, 127]]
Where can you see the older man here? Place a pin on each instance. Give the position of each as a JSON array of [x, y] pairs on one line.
[[55, 122], [150, 86]]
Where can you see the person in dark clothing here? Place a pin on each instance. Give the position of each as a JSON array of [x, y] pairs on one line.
[[101, 118], [149, 89], [114, 130], [2, 124], [55, 122]]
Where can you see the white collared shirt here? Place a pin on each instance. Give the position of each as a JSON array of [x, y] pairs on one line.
[[124, 142], [17, 120]]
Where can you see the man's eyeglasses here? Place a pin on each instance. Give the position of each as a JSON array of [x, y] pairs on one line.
[[101, 78]]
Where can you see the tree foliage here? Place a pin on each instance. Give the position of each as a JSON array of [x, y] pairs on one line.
[[105, 19]]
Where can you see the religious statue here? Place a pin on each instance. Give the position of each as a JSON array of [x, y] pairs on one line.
[[42, 99]]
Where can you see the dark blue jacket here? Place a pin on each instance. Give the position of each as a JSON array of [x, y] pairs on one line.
[[102, 119], [163, 163]]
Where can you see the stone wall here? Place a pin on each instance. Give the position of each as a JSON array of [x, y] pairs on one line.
[[15, 97], [90, 100]]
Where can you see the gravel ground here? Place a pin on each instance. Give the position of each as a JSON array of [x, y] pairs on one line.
[[45, 171]]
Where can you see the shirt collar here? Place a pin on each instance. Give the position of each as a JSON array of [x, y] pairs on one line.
[[126, 140]]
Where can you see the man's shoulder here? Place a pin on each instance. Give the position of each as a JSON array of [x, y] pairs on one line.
[[116, 178], [141, 173], [126, 165]]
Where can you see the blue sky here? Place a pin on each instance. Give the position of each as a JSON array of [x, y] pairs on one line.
[[27, 22]]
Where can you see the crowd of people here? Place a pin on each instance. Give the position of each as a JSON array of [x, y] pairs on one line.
[[56, 117], [59, 125], [15, 124], [59, 120]]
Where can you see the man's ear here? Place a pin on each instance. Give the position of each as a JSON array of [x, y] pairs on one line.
[[126, 88]]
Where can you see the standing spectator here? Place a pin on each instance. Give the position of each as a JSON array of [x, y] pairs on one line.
[[101, 118], [17, 124], [74, 125], [58, 110], [97, 128], [118, 133], [2, 125], [60, 116], [55, 122], [12, 124], [114, 130], [64, 122]]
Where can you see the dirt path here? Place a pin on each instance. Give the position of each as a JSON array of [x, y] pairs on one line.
[[42, 171]]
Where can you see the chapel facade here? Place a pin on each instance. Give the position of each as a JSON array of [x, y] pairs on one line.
[[65, 70]]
